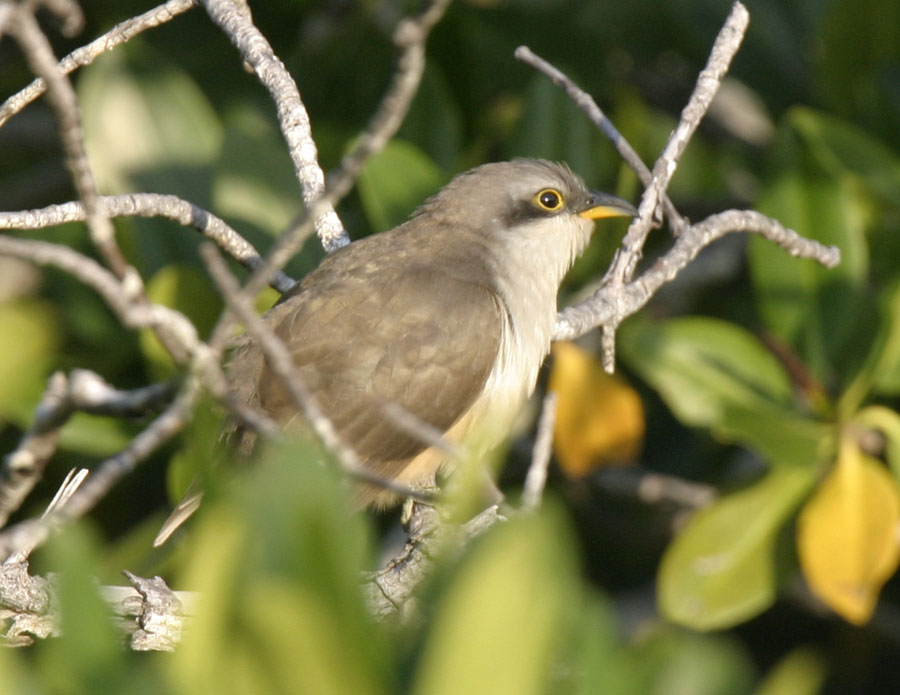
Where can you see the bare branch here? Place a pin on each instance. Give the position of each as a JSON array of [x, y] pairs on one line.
[[390, 590], [234, 19], [151, 205], [31, 533], [609, 302], [536, 478], [586, 103], [39, 55], [84, 391], [624, 264], [86, 55], [411, 35], [160, 613]]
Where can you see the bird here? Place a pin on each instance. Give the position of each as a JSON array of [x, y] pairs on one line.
[[449, 316]]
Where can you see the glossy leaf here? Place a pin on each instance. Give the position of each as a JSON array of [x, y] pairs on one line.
[[716, 374], [847, 534], [722, 569], [813, 309], [887, 423], [801, 672], [843, 148], [395, 182], [25, 356], [498, 622], [276, 565], [137, 120], [255, 181], [599, 418]]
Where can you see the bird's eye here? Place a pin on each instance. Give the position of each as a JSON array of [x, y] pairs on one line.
[[549, 199]]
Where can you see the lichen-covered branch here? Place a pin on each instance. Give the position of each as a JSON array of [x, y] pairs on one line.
[[151, 205], [83, 391], [122, 32], [234, 19], [608, 302]]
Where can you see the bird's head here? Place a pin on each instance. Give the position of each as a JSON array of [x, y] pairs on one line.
[[527, 207]]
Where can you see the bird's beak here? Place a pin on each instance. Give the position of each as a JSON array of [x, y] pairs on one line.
[[605, 205]]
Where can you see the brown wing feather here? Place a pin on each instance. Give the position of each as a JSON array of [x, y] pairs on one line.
[[362, 335]]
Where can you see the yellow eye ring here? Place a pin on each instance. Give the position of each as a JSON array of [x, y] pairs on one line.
[[549, 199]]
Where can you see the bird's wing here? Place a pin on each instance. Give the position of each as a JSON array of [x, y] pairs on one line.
[[413, 335]]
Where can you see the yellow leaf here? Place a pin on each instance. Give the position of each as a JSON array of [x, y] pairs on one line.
[[599, 418], [847, 536]]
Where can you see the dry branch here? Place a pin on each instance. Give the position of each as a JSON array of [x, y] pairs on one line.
[[390, 590], [151, 205], [81, 391], [87, 54], [234, 19]]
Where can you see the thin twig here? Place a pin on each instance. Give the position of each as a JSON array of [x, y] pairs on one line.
[[586, 103], [608, 302], [411, 35], [31, 533], [83, 391], [726, 45], [151, 205], [61, 94], [86, 55], [536, 479]]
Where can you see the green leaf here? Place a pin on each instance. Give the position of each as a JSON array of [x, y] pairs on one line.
[[722, 569], [499, 620], [842, 148], [801, 672], [255, 181], [188, 290], [395, 182], [881, 369], [815, 310], [26, 353], [276, 563], [434, 121], [671, 660], [552, 127], [142, 114], [597, 663], [94, 435], [149, 127], [714, 374], [88, 656]]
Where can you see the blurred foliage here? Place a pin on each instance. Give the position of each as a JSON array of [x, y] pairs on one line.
[[599, 417], [771, 378]]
